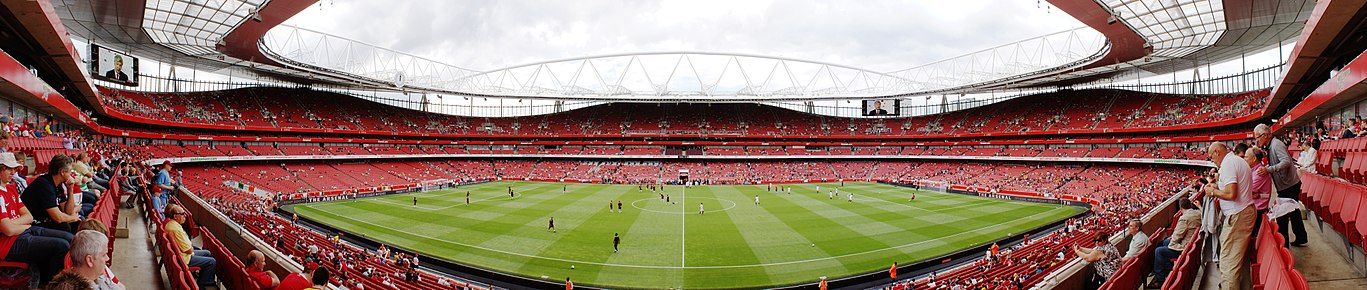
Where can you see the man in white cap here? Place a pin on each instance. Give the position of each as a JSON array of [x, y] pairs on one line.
[[44, 248]]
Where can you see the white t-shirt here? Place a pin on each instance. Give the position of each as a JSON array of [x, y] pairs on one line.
[[1307, 159], [1235, 170]]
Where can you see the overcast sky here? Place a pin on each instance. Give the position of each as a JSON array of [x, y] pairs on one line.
[[881, 35]]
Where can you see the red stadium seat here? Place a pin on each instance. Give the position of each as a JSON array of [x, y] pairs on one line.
[[1307, 185], [1355, 166], [1319, 197], [1184, 270], [305, 109], [1270, 266], [1347, 213], [1333, 203], [1346, 169], [14, 275]]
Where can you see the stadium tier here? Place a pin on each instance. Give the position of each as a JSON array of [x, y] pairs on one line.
[[1158, 151], [276, 109], [1175, 145], [313, 179], [1115, 192]]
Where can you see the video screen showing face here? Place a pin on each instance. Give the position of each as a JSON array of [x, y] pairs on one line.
[[112, 66], [882, 107]]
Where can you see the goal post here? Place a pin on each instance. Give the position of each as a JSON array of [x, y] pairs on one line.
[[933, 185]]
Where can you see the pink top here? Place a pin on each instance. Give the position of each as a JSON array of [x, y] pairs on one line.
[[1262, 188]]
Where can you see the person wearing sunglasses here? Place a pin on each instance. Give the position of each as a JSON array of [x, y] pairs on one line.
[[204, 259]]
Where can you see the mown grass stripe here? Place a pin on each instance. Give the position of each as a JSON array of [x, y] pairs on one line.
[[744, 245]]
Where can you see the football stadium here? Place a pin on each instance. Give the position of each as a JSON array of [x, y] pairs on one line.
[[663, 144]]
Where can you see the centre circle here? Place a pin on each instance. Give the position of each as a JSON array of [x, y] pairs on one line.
[[684, 210]]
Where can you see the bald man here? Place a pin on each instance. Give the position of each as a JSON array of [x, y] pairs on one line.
[[1233, 190], [256, 269]]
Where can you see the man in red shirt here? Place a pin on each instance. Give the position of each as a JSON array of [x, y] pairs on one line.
[[44, 249], [256, 269], [298, 281]]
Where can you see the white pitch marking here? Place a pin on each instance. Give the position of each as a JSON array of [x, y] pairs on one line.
[[515, 195], [698, 267]]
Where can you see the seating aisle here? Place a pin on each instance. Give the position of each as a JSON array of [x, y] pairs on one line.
[[1321, 263], [137, 265]]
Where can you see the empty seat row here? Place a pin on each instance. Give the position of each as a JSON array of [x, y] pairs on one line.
[[106, 210], [29, 143], [1337, 202], [1344, 145], [1273, 265], [1324, 162], [1354, 167]]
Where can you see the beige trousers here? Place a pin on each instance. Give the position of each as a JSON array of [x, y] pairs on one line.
[[1234, 238]]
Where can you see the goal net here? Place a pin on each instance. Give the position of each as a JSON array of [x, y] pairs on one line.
[[933, 186]]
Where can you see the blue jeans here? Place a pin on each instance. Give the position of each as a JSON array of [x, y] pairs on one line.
[[1161, 265], [86, 208], [206, 263], [88, 201], [42, 248], [159, 202], [101, 181], [90, 197]]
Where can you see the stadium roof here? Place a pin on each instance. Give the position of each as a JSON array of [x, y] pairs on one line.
[[1122, 37]]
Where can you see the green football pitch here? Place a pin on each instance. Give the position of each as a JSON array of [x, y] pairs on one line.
[[785, 239]]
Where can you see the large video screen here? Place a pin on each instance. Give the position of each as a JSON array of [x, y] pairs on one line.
[[113, 66], [889, 107]]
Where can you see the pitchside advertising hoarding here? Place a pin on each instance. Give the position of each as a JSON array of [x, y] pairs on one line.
[[113, 66]]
